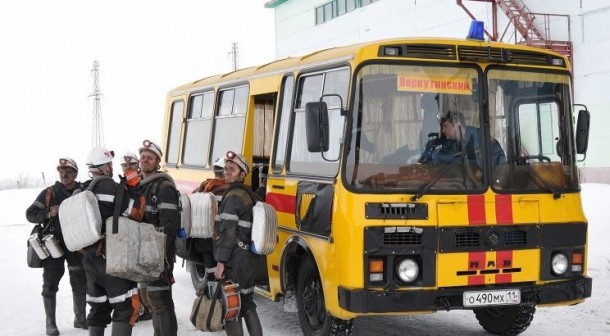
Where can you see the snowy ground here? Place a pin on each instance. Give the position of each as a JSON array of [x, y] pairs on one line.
[[21, 311]]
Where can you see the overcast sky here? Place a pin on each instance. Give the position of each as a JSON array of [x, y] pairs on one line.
[[144, 47]]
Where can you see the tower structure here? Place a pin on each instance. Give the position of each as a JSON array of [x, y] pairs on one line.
[[97, 137], [234, 56]]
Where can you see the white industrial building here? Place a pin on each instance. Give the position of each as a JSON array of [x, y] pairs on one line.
[[577, 28]]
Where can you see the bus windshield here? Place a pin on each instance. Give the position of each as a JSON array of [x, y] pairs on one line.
[[532, 120], [418, 128]]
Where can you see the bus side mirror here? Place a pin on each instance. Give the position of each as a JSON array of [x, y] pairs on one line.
[[582, 131], [316, 126]]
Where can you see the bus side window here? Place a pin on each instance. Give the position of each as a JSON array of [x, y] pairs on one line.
[[310, 89], [198, 127], [283, 120], [230, 121], [175, 124]]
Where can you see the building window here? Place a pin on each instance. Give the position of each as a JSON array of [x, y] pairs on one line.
[[335, 8]]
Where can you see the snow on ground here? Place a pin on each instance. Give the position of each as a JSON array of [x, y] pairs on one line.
[[22, 313]]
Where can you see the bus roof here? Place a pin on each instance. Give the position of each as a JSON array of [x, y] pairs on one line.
[[446, 50]]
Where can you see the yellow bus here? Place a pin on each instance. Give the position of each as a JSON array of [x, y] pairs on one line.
[[383, 207]]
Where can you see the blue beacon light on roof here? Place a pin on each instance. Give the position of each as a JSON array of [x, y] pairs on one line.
[[476, 31]]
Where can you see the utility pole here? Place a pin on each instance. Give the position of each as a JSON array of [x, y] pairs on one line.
[[98, 124]]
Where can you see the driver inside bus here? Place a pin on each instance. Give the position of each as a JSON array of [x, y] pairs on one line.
[[459, 142]]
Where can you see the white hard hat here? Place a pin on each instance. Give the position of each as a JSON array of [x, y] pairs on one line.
[[129, 158], [99, 156], [220, 162], [151, 146], [219, 165], [239, 160], [66, 162]]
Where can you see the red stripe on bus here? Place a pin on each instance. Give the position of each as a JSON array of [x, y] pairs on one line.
[[504, 209], [504, 259], [476, 210], [476, 261], [504, 278], [474, 280], [281, 202]]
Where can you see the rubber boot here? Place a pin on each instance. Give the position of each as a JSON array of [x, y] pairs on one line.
[[253, 323], [49, 309], [96, 331], [80, 311], [166, 325], [234, 328], [121, 329]]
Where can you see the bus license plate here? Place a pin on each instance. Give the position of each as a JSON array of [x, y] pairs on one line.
[[492, 298]]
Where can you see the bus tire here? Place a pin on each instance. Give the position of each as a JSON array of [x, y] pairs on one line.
[[198, 277], [511, 320], [313, 317]]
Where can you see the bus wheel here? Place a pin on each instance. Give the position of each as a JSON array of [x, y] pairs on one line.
[[314, 319], [511, 320], [197, 275]]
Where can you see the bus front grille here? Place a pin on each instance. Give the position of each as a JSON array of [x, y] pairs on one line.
[[402, 238], [467, 239]]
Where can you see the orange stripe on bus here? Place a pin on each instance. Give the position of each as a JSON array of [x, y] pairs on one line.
[[476, 210], [504, 209]]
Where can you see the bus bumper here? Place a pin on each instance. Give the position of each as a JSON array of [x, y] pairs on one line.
[[371, 301]]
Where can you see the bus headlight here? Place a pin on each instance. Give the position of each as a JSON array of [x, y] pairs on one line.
[[407, 270], [559, 264]]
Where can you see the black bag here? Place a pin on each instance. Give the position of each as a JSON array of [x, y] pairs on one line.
[[33, 259]]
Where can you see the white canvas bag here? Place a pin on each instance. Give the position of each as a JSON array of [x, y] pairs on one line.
[[203, 214], [264, 228], [134, 251], [80, 220]]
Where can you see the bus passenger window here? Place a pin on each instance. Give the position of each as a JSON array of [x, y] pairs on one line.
[[198, 127], [282, 124], [230, 121], [173, 142]]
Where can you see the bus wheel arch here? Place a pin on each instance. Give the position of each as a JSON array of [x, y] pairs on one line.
[[315, 320], [295, 250]]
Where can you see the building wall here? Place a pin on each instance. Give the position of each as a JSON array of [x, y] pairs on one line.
[[589, 30]]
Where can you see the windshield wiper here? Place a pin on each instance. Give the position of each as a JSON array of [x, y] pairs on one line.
[[547, 186], [428, 185]]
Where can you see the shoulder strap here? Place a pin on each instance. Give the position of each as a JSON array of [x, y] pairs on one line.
[[154, 191], [47, 197], [154, 199], [95, 181], [118, 202]]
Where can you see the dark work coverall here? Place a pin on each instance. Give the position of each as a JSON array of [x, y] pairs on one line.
[[53, 268], [162, 212], [112, 299], [233, 229]]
